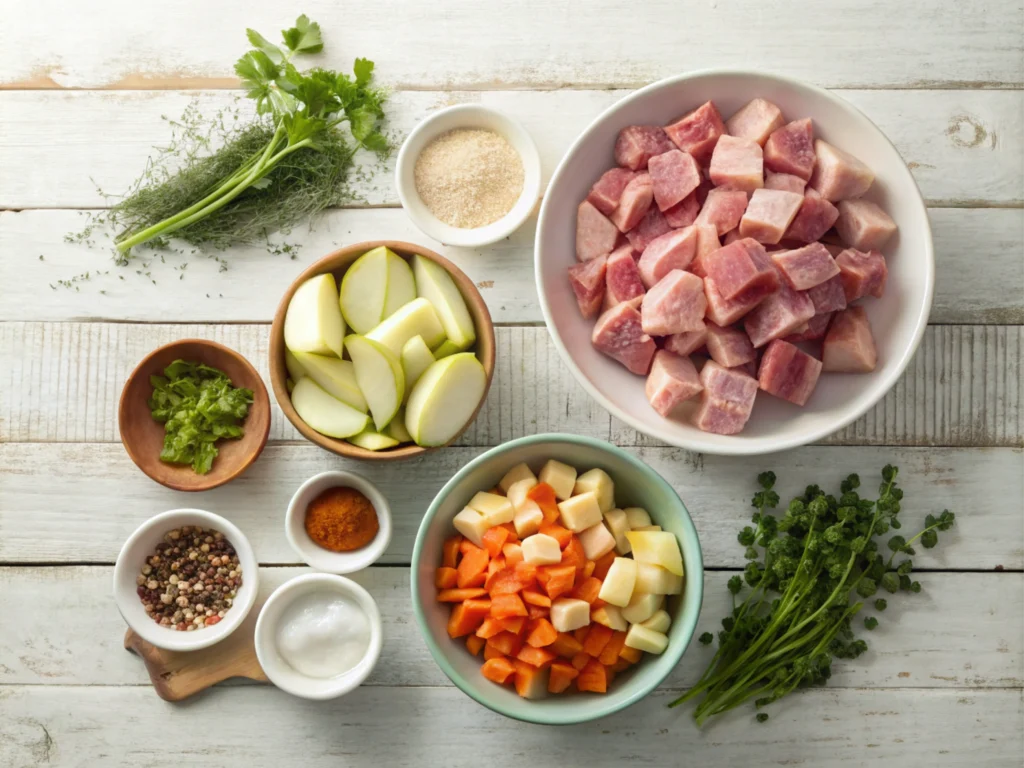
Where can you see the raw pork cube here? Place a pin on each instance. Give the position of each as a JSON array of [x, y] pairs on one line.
[[732, 237], [838, 175], [863, 225], [636, 199], [737, 164], [672, 380], [724, 208], [829, 296], [622, 278], [587, 281], [862, 273], [707, 243], [683, 213], [740, 269], [755, 121], [816, 328], [806, 267], [698, 131], [637, 144], [676, 304], [790, 149], [673, 250], [687, 342], [727, 399], [595, 235], [815, 217], [729, 347], [727, 311], [618, 334], [651, 227], [849, 346], [769, 213], [782, 313], [605, 193], [675, 174], [787, 182], [788, 372]]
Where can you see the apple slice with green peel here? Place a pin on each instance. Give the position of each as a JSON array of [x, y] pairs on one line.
[[364, 290], [373, 441], [416, 358], [401, 284], [295, 369], [444, 399], [447, 348], [417, 318], [379, 375], [435, 285], [313, 321], [289, 384], [336, 377], [396, 428], [327, 415]]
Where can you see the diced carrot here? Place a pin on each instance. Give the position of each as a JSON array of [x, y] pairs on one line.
[[581, 634], [506, 642], [472, 570], [538, 657], [597, 638], [603, 564], [588, 569], [513, 554], [593, 677], [556, 579], [541, 634], [632, 655], [507, 606], [467, 616], [513, 537], [498, 670], [526, 679], [566, 645], [458, 595], [494, 539], [544, 495], [561, 676], [446, 577], [495, 565], [573, 554], [489, 628], [450, 552], [536, 612], [580, 660], [475, 644], [587, 590], [609, 675], [562, 535], [526, 573], [504, 582], [466, 546], [490, 652], [531, 597], [621, 664], [515, 625], [611, 651]]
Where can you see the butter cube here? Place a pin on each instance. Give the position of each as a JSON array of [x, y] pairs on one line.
[[644, 639], [610, 616], [642, 606], [495, 509], [615, 519], [597, 541], [568, 614], [528, 519], [637, 517], [541, 549], [559, 476], [656, 580], [619, 582], [598, 481], [472, 525], [659, 622], [518, 473], [580, 512]]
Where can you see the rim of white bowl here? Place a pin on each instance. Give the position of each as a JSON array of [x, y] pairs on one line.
[[430, 225], [737, 447]]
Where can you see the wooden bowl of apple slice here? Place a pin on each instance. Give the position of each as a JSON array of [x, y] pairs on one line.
[[382, 350]]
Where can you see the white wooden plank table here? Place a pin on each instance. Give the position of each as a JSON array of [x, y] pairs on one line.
[[82, 94]]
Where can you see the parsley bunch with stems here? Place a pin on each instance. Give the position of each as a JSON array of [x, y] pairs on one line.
[[805, 568]]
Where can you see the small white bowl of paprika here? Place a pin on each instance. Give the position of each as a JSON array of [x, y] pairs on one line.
[[338, 522]]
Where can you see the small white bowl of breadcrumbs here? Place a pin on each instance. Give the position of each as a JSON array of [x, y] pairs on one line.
[[468, 175]]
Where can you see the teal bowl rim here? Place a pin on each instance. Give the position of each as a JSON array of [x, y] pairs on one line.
[[615, 704]]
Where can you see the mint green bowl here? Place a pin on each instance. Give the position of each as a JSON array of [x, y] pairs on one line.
[[636, 484]]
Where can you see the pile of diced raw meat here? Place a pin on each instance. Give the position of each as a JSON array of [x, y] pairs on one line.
[[742, 242]]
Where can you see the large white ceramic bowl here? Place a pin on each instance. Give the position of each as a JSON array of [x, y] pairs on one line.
[[898, 319]]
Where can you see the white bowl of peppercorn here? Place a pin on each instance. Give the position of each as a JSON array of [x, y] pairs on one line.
[[185, 579]]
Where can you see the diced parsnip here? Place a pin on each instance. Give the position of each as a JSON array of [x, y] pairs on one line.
[[516, 474], [616, 521], [647, 640], [658, 548], [597, 541], [610, 616], [541, 549], [637, 517], [528, 519], [642, 606], [580, 512], [472, 525], [568, 614], [659, 622], [495, 509], [559, 476], [648, 528], [619, 582], [656, 580], [516, 492], [598, 481]]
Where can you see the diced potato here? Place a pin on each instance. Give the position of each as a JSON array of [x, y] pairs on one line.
[[598, 481], [559, 476], [659, 622], [516, 474], [528, 519], [610, 616], [648, 528], [597, 541], [619, 582], [656, 580], [647, 640], [658, 548], [580, 512], [516, 492], [642, 606], [637, 517], [541, 549], [568, 614], [616, 521], [495, 509], [472, 525]]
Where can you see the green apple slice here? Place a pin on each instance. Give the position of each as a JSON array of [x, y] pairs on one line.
[[379, 375], [416, 358], [417, 318], [435, 285], [444, 399], [295, 369], [396, 428], [364, 290], [336, 377], [313, 321], [289, 384], [447, 348], [327, 415], [401, 284], [373, 441]]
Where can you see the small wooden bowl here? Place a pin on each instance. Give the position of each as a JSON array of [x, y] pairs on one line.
[[143, 437], [337, 263]]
